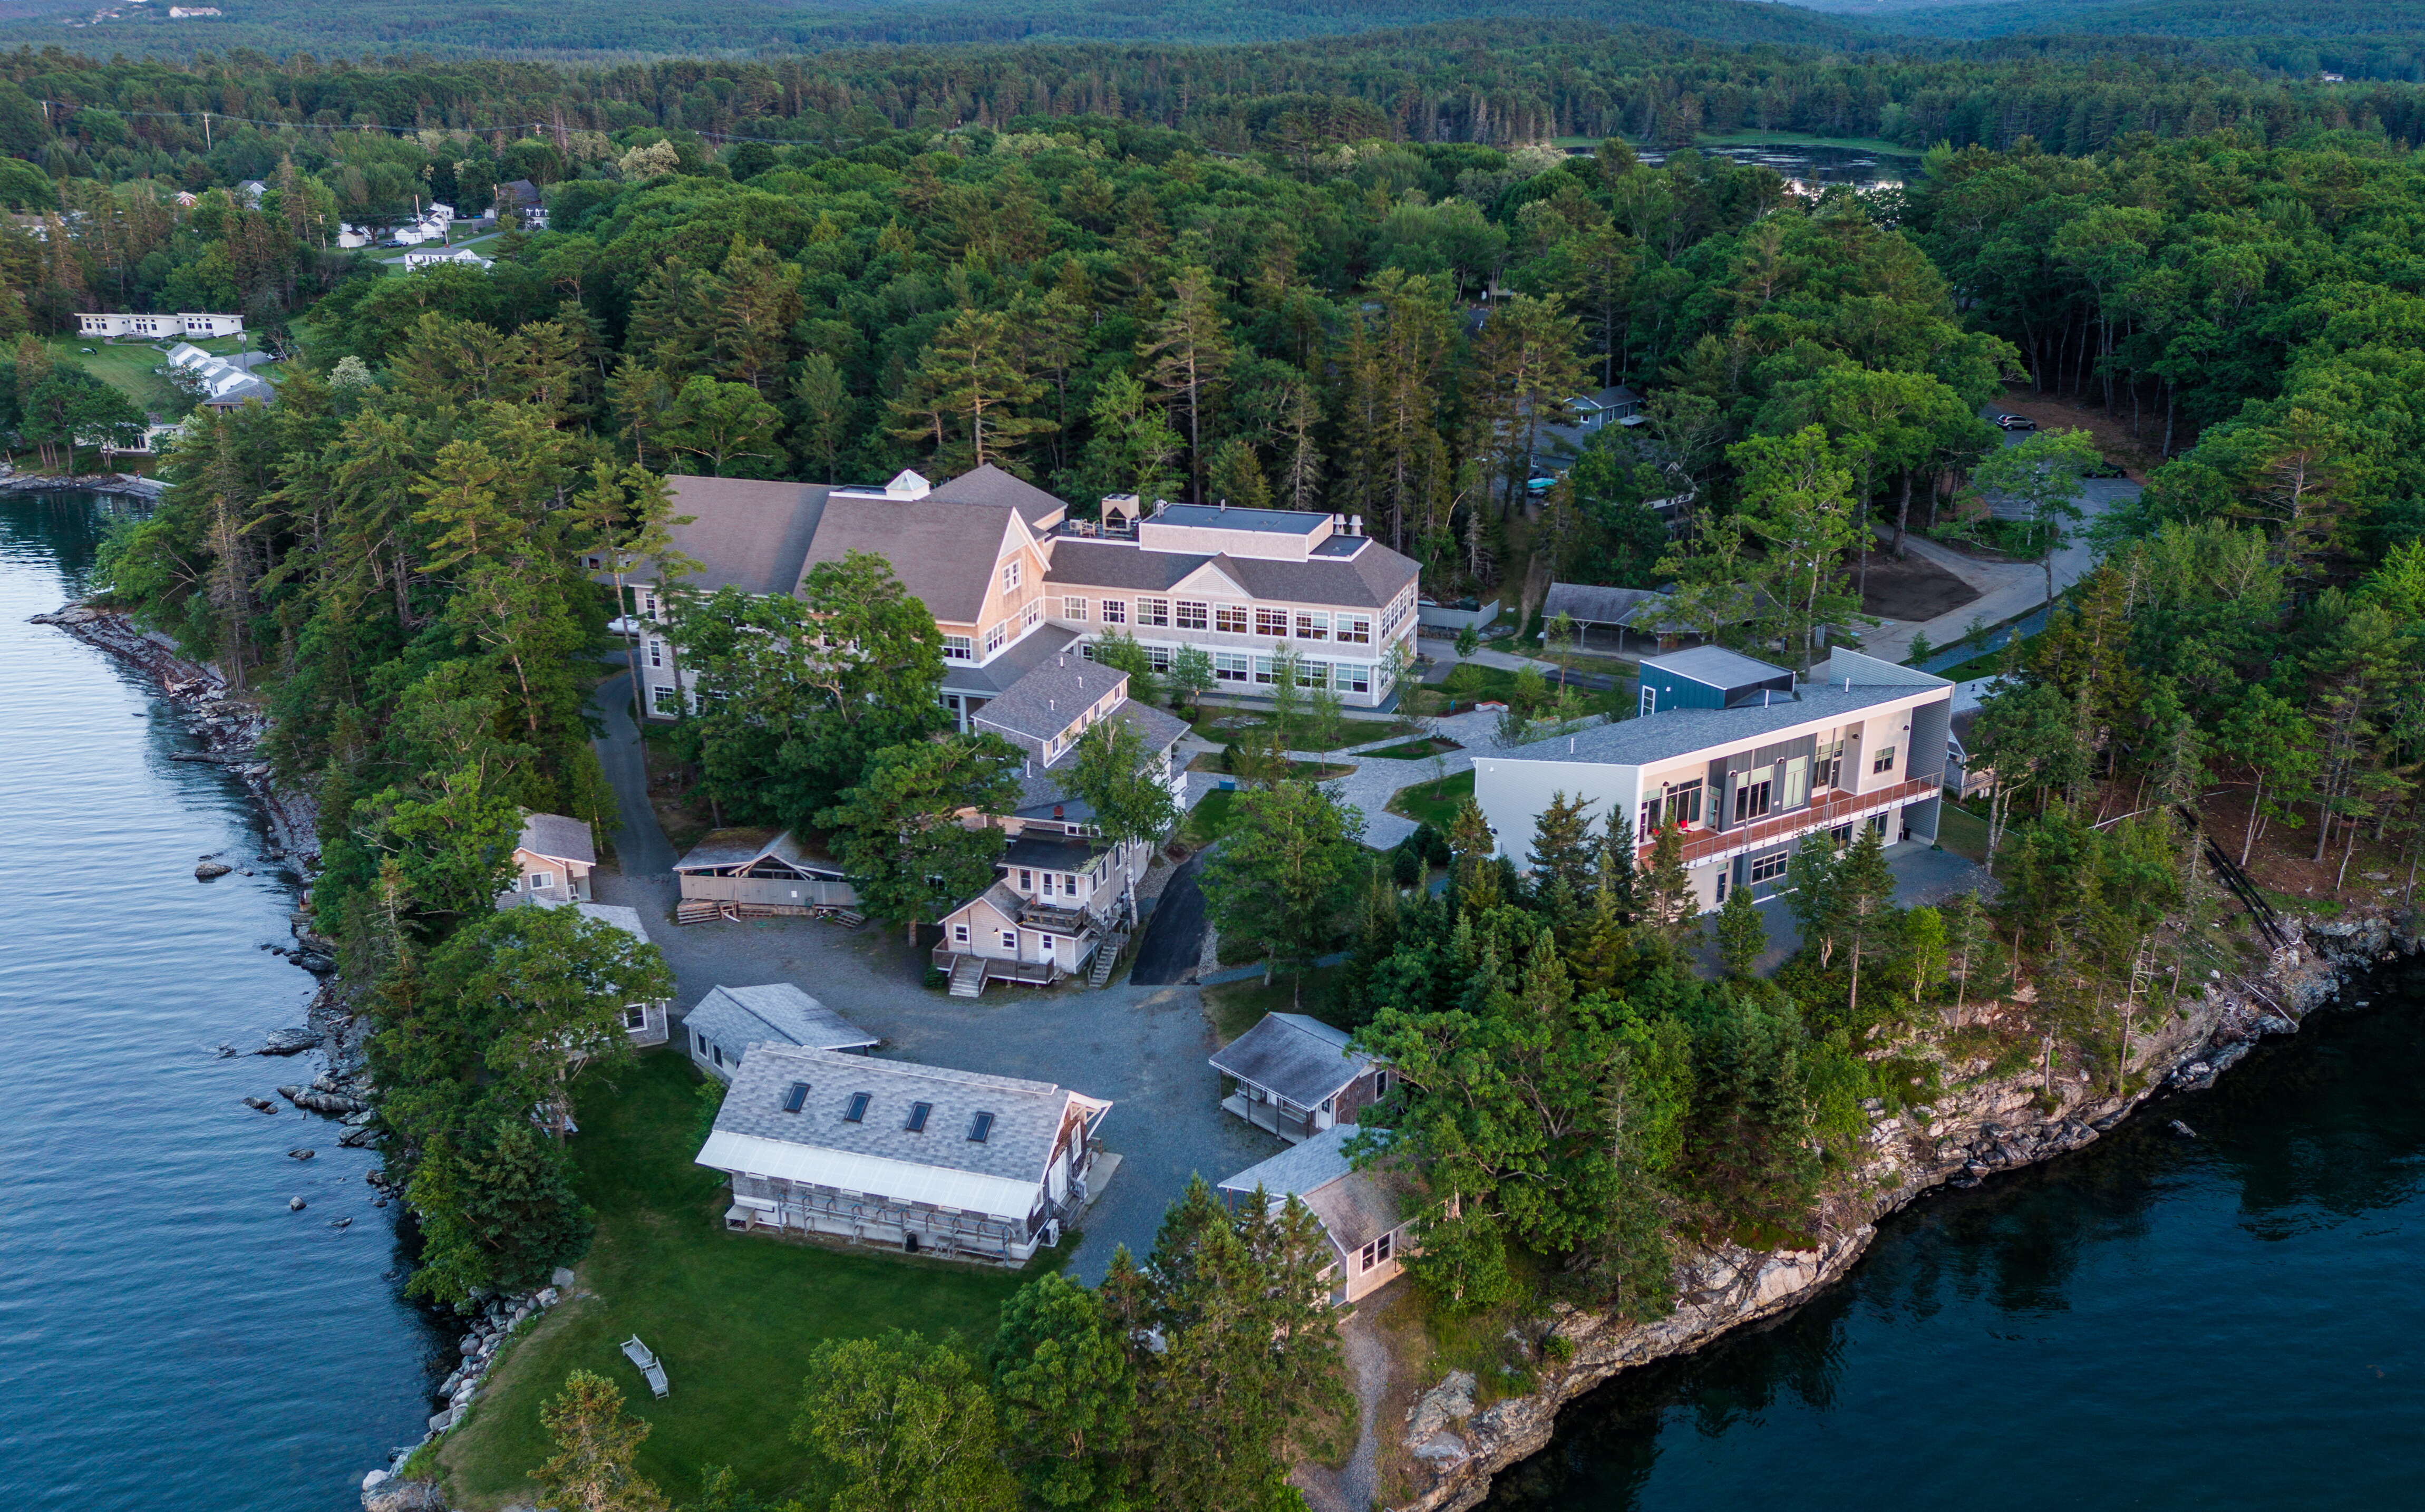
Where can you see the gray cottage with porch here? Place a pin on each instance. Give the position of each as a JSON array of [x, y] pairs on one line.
[[718, 1032], [1296, 1076], [754, 873]]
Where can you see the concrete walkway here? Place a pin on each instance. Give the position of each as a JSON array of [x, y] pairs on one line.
[[1352, 1488]]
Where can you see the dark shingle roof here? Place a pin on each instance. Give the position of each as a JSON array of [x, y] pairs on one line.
[[1301, 1059], [738, 847], [1355, 1207], [1043, 702], [744, 533], [555, 835], [1636, 608], [943, 552], [1369, 578], [1022, 656], [993, 486]]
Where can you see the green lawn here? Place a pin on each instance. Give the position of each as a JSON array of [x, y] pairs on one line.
[[1962, 832], [1229, 727], [126, 366], [1211, 818], [733, 1316], [1235, 1008], [1435, 803], [1987, 663]]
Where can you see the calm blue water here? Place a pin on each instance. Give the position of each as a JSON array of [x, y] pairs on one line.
[[170, 1335], [2235, 1322]]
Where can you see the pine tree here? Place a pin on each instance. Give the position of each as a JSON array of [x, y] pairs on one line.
[[1188, 352], [595, 1444], [1742, 933], [1667, 888], [1236, 479], [1563, 847], [964, 397]]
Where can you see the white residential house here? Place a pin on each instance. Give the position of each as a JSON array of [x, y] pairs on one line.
[[190, 327], [889, 1153], [1368, 1215], [1746, 758], [554, 856], [1064, 899], [722, 1029], [351, 236], [225, 382], [459, 254]]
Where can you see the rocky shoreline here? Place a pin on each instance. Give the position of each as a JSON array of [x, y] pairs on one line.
[[1454, 1450], [229, 729], [129, 485]]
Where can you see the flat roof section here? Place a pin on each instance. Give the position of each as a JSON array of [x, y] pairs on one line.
[[1213, 517]]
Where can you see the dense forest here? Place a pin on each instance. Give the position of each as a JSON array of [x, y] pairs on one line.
[[1350, 278]]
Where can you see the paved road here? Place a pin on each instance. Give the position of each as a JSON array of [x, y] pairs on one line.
[[1174, 932], [2005, 588], [1143, 1047], [640, 844]]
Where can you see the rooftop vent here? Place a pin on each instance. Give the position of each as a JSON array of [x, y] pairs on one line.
[[917, 1112], [857, 1112], [798, 1098], [979, 1127]]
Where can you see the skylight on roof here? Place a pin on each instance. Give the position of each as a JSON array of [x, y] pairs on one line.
[[917, 1112], [798, 1098], [857, 1112], [979, 1127]]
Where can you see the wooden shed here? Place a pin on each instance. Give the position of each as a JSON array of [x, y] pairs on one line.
[[744, 874]]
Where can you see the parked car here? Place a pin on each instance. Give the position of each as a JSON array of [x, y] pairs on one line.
[[2017, 422], [391, 242], [2104, 469]]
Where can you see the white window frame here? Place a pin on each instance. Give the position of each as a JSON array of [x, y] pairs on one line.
[[1010, 575], [1882, 762], [959, 648], [1352, 677], [1153, 611], [656, 651], [1355, 629], [1073, 610], [1272, 623], [1010, 941], [664, 699], [635, 1016], [997, 637], [1192, 614], [1159, 657], [1232, 666], [1031, 617], [1313, 624], [539, 881], [1116, 611], [1231, 619], [959, 934], [1267, 671], [1312, 674]]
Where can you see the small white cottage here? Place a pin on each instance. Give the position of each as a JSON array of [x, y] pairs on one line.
[[1297, 1076], [914, 1157], [720, 1030]]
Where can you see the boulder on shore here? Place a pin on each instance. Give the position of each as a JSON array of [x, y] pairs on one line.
[[291, 1042], [207, 870]]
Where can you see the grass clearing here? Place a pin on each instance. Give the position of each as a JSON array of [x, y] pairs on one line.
[[127, 366], [732, 1315], [1234, 1007], [1434, 803], [1227, 728], [1212, 817], [1962, 832]]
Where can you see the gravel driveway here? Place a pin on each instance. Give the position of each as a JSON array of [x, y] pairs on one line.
[[1142, 1047]]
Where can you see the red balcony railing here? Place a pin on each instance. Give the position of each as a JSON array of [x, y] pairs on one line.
[[1704, 845]]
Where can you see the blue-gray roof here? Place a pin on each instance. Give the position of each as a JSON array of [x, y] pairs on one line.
[[1715, 666], [1213, 517], [777, 1012], [1672, 733]]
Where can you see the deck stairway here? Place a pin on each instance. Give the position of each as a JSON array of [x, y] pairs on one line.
[[1107, 958], [967, 976]]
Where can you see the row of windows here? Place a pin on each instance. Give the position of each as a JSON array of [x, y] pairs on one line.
[[1224, 618], [1344, 677]]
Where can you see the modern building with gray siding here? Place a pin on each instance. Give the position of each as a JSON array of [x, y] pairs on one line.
[[1862, 742]]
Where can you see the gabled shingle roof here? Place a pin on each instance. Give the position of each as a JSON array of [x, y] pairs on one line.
[[744, 533], [1355, 1207], [990, 485], [1294, 1056], [1027, 1115], [943, 552], [777, 1012], [557, 837], [1043, 703], [1369, 576]]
